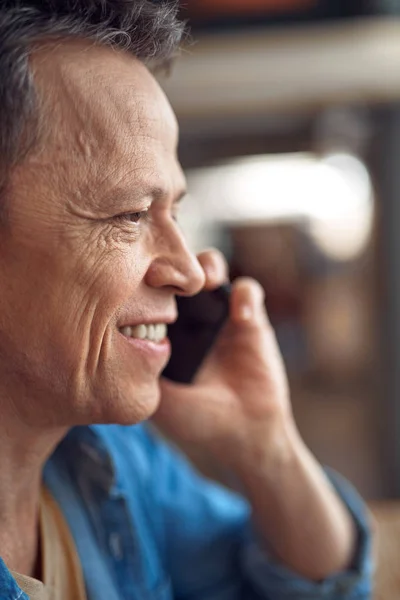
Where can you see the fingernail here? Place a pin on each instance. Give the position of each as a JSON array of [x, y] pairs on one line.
[[245, 313]]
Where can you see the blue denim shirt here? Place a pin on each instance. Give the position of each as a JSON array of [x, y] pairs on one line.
[[147, 527]]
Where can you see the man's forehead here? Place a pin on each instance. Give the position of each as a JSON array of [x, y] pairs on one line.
[[106, 93], [110, 123]]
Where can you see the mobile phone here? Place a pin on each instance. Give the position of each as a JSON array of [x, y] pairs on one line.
[[200, 319]]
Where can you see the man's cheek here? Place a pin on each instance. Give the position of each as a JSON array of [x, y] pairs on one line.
[[99, 273]]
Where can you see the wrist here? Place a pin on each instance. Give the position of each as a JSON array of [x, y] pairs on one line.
[[264, 453], [284, 485]]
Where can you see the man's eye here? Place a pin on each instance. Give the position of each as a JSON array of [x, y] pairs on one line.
[[134, 217]]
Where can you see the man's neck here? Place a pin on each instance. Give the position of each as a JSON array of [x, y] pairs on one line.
[[23, 453]]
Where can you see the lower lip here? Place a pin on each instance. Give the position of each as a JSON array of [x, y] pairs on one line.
[[157, 351]]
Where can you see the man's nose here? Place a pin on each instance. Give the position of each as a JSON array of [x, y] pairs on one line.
[[175, 266]]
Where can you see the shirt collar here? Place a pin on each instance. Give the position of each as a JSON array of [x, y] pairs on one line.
[[86, 451]]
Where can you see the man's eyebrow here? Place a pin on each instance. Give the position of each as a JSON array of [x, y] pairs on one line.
[[159, 193]]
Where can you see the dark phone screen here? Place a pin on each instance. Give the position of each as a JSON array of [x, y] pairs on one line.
[[200, 319]]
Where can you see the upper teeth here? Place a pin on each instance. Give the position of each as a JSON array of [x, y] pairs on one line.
[[154, 333]]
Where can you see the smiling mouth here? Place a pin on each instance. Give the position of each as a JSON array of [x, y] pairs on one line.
[[153, 333]]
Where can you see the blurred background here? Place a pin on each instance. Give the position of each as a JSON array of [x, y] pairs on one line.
[[290, 138]]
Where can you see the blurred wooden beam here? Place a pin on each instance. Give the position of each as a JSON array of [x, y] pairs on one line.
[[303, 68]]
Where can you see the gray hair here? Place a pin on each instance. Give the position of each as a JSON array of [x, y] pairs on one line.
[[148, 29]]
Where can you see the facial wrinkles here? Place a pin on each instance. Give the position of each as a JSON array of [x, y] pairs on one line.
[[108, 269], [119, 129], [84, 307], [100, 144], [93, 146]]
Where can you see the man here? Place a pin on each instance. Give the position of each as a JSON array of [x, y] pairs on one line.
[[91, 262]]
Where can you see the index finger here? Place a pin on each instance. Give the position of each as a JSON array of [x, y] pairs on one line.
[[215, 267]]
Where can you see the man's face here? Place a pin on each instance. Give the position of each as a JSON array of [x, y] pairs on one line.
[[92, 254]]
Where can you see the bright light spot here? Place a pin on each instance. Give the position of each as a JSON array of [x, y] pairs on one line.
[[344, 232], [332, 194]]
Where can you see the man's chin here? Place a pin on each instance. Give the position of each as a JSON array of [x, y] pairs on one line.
[[130, 408]]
